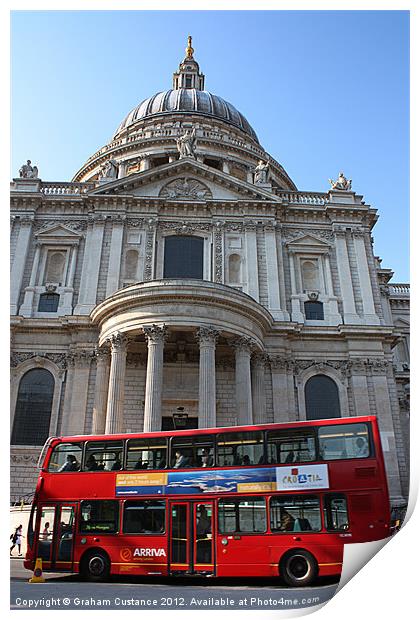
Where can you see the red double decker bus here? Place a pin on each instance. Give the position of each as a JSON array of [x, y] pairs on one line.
[[267, 500]]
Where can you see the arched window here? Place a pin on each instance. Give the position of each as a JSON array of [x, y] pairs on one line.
[[321, 398], [310, 278], [183, 257], [48, 302], [33, 408], [234, 269], [131, 262], [314, 310]]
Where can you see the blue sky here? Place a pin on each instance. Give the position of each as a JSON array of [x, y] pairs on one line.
[[324, 90]]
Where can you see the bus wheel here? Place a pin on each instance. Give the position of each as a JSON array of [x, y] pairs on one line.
[[95, 566], [298, 568]]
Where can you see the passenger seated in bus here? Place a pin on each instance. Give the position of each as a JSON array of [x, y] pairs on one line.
[[206, 460], [287, 522], [180, 460], [362, 448], [91, 463], [290, 458], [71, 464], [246, 460], [302, 525], [117, 464], [237, 460]]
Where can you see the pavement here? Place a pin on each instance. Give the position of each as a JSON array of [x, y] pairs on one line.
[[67, 591]]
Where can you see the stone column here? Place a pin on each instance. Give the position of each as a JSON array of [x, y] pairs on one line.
[[297, 314], [259, 405], [273, 280], [282, 287], [378, 369], [75, 406], [19, 262], [155, 337], [101, 390], [243, 348], [359, 386], [371, 318], [67, 302], [207, 338], [90, 268], [113, 278], [347, 294], [251, 260], [115, 405], [26, 308], [283, 389]]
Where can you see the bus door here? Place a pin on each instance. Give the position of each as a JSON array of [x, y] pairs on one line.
[[56, 535], [191, 537]]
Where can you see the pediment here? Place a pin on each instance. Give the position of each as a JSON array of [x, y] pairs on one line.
[[56, 231], [308, 243], [185, 180]]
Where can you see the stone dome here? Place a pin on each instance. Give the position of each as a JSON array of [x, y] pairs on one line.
[[187, 101]]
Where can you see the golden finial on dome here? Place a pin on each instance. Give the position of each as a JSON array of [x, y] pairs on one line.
[[189, 50]]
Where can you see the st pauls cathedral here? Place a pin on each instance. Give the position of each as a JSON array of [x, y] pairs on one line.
[[182, 280]]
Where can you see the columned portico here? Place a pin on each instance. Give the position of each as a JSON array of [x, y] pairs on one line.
[[203, 311], [207, 337], [115, 407], [155, 337]]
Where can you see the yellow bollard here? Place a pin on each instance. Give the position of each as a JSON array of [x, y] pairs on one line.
[[37, 576]]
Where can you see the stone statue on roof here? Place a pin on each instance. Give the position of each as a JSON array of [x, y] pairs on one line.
[[341, 183], [186, 144], [109, 170], [27, 171], [261, 173]]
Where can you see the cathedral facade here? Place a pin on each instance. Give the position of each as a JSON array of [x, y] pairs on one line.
[[181, 280]]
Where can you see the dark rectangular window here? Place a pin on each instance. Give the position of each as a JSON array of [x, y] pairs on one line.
[[314, 311], [335, 512], [144, 517], [242, 515], [103, 455], [295, 513], [245, 448], [344, 441], [146, 453], [66, 457], [291, 446], [48, 302], [192, 452], [183, 257], [99, 516]]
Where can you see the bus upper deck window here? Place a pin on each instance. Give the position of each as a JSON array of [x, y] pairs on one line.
[[103, 455], [192, 451], [146, 453], [344, 441], [291, 446], [65, 457], [241, 448]]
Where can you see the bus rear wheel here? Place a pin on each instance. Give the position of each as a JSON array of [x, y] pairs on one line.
[[95, 566], [298, 568]]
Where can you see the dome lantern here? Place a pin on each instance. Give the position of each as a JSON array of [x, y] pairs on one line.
[[188, 74]]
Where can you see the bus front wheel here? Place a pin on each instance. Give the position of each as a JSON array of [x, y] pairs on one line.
[[95, 566], [298, 568]]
